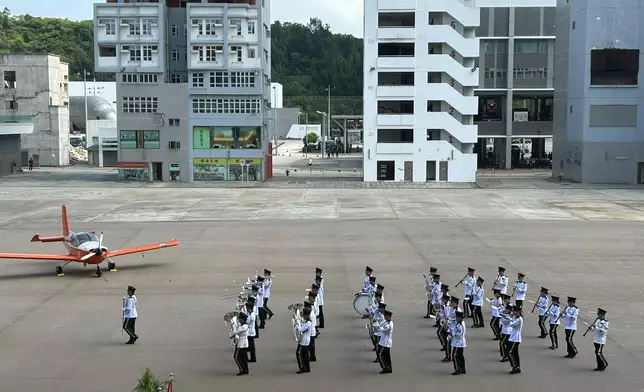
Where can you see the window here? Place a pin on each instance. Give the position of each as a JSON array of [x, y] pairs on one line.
[[223, 79], [531, 47], [251, 53], [395, 136], [174, 30], [395, 107], [147, 51], [225, 106], [386, 170], [147, 26], [488, 47], [490, 109], [197, 79], [236, 50], [134, 26], [396, 49], [206, 137], [185, 31], [395, 78], [175, 54], [396, 19], [208, 53], [110, 26], [175, 78], [208, 28], [266, 56], [139, 78], [530, 73], [251, 27], [174, 122], [236, 25], [140, 104], [107, 51], [11, 105], [614, 67], [139, 139], [135, 53]]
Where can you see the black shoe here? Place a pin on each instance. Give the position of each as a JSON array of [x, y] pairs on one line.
[[253, 360], [377, 360], [301, 371], [241, 373], [130, 342], [446, 360], [443, 349], [320, 326], [463, 372], [552, 348], [374, 349], [542, 336], [318, 334], [567, 356], [385, 371], [135, 339], [505, 360], [456, 373], [364, 317], [496, 339], [270, 316], [426, 317], [313, 360]]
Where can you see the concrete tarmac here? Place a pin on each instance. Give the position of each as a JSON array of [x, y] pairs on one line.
[[63, 333]]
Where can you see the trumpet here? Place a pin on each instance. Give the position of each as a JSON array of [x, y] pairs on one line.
[[590, 326], [460, 281]]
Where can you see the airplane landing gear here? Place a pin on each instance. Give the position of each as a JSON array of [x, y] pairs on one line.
[[59, 271], [99, 273], [111, 266]]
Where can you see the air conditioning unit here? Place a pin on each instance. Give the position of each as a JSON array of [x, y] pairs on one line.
[[174, 145]]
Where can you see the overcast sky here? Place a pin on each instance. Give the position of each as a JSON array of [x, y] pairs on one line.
[[344, 16]]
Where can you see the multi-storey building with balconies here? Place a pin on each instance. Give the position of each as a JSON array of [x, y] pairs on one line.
[[193, 85], [421, 74]]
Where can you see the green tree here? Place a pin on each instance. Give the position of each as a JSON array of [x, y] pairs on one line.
[[312, 137], [149, 382]]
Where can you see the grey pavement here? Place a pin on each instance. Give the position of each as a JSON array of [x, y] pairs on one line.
[[63, 333]]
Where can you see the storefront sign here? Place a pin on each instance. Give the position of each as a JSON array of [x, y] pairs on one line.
[[133, 165]]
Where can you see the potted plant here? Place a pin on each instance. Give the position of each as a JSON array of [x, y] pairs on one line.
[[150, 383]]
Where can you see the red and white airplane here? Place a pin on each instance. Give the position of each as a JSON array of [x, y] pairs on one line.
[[84, 248]]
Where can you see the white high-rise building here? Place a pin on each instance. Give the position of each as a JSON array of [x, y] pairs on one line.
[[420, 73]]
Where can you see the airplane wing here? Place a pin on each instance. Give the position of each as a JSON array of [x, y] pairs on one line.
[[143, 248], [28, 256]]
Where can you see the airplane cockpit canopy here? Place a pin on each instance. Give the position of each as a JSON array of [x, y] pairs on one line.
[[80, 238]]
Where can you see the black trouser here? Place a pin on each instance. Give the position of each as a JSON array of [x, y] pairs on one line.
[[542, 325], [513, 351], [241, 359], [570, 345], [519, 303], [503, 345], [251, 348], [312, 356], [302, 355], [446, 343], [268, 311], [458, 359], [384, 357], [321, 317], [256, 328], [129, 327], [599, 354], [478, 315], [554, 339], [430, 308], [441, 338], [262, 317], [467, 306], [494, 324]]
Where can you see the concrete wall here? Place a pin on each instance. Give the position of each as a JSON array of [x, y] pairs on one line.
[[9, 152], [282, 120], [41, 92], [593, 143]]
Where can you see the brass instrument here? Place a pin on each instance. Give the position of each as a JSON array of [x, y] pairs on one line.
[[562, 313], [461, 281], [296, 309], [428, 288], [514, 288], [590, 326], [496, 280], [231, 318]]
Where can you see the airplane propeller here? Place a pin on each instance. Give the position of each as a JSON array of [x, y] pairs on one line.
[[97, 252]]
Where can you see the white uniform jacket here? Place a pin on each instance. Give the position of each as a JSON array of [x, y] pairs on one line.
[[386, 333], [129, 311], [570, 317], [542, 304], [314, 321], [496, 304], [251, 324], [601, 330], [241, 330], [366, 281], [451, 321], [436, 293], [305, 329], [268, 283], [522, 288], [505, 324], [320, 296], [458, 335], [516, 327], [469, 282], [478, 292], [553, 314], [501, 284]]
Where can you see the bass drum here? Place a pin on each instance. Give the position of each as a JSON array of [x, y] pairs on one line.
[[360, 303]]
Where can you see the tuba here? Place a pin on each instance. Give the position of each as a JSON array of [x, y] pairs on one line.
[[231, 319], [296, 309]]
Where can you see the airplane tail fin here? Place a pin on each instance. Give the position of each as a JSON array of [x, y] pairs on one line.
[[65, 222]]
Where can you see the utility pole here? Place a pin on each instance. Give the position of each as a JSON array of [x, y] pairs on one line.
[[328, 127]]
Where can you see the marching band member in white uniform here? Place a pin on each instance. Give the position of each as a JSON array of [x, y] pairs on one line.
[[476, 303], [451, 322], [429, 282], [251, 329], [302, 352], [378, 316], [443, 318], [313, 317], [506, 331], [261, 312], [496, 304], [601, 330], [367, 274], [469, 282], [130, 314], [459, 333], [520, 289], [553, 320], [570, 314], [320, 282], [501, 281], [268, 284], [543, 304], [254, 292], [379, 289], [436, 293], [386, 333], [240, 356], [516, 328]]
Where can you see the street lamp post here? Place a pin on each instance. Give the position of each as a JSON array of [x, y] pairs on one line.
[[306, 132], [323, 144]]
